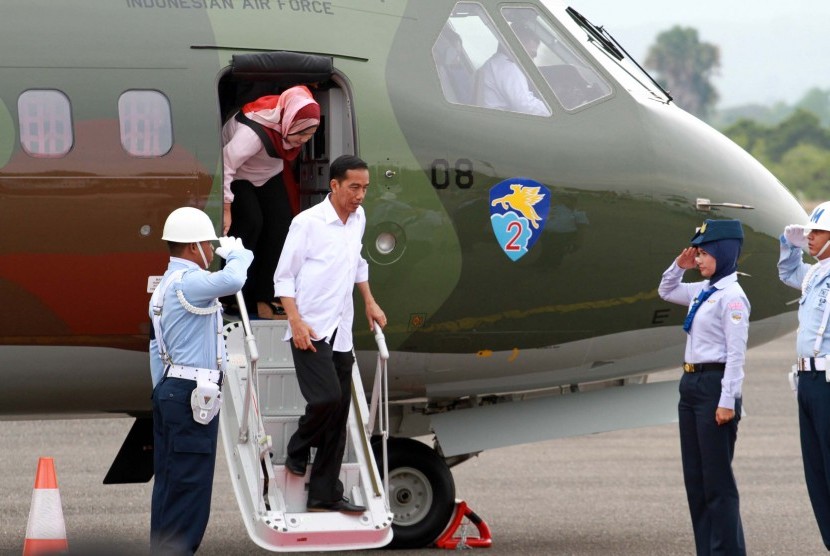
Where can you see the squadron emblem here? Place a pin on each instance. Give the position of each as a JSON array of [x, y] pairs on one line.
[[518, 210]]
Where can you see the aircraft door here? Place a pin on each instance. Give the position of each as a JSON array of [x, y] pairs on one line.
[[254, 75]]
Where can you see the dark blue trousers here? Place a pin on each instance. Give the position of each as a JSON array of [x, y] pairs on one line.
[[325, 382], [814, 423], [184, 458], [707, 451]]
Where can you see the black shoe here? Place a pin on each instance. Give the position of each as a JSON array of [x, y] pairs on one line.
[[295, 466], [342, 505]]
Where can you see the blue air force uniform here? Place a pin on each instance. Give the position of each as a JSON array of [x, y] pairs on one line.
[[717, 326], [184, 450], [813, 347]]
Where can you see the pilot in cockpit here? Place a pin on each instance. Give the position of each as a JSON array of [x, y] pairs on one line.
[[503, 85]]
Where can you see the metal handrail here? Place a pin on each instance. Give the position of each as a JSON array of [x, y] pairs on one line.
[[253, 357], [380, 396]]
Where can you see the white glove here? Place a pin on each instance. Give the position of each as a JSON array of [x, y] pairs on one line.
[[794, 234], [228, 244]]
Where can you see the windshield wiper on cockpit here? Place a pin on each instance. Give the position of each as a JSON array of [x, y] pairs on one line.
[[611, 45], [597, 33]]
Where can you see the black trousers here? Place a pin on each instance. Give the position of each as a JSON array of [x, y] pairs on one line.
[[707, 451], [814, 424], [325, 382], [260, 216]]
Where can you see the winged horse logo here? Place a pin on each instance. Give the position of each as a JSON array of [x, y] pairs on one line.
[[522, 201]]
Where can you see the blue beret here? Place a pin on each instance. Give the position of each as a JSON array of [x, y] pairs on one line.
[[713, 230]]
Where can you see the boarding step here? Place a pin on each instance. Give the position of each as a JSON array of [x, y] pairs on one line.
[[272, 500]]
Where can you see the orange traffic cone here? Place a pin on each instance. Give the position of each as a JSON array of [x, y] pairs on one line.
[[45, 532]]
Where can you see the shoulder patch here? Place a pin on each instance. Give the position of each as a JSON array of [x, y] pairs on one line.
[[736, 317], [736, 305]]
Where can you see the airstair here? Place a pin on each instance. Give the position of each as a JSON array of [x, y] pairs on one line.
[[262, 404]]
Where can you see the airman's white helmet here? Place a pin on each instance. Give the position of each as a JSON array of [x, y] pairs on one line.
[[819, 218], [188, 225]]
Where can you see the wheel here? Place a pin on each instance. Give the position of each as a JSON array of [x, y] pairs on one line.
[[421, 492]]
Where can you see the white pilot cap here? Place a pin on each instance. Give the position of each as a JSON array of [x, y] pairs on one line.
[[819, 218], [188, 225]]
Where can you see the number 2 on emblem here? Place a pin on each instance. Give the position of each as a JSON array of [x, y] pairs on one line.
[[517, 229]]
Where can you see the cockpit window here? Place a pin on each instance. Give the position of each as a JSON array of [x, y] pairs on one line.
[[477, 68], [574, 82]]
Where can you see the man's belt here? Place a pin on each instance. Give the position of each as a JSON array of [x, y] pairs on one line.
[[192, 373], [811, 364], [700, 367]]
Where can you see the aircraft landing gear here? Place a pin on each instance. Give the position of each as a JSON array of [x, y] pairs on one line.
[[421, 492]]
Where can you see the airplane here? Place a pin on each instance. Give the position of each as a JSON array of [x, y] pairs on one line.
[[516, 254]]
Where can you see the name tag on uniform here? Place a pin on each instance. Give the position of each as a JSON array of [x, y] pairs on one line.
[[153, 282]]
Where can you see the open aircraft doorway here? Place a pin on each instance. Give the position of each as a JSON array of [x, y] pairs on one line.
[[252, 76]]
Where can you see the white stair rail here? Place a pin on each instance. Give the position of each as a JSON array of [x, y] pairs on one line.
[[380, 397], [253, 357]]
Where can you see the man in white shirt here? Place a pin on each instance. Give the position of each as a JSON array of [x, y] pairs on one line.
[[503, 84], [315, 278]]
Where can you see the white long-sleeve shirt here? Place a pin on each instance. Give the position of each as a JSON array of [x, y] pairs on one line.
[[504, 86], [719, 330], [319, 266]]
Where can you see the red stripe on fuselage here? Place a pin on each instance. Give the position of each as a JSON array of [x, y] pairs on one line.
[[90, 294]]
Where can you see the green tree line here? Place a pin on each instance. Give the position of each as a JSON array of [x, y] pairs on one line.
[[796, 151], [815, 100], [793, 142]]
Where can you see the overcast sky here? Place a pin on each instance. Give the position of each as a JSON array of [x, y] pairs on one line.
[[771, 50]]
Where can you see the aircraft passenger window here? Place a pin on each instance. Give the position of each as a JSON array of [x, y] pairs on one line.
[[476, 66], [45, 120], [146, 126], [574, 82]]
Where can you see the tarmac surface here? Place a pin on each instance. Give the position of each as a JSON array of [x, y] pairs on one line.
[[615, 493]]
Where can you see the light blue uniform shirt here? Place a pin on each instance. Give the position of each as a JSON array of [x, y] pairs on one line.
[[792, 270], [192, 340], [719, 330]]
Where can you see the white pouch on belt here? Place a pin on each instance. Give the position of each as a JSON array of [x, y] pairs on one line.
[[206, 400], [793, 376]]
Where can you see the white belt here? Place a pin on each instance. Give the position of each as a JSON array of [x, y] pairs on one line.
[[193, 373], [811, 364]]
